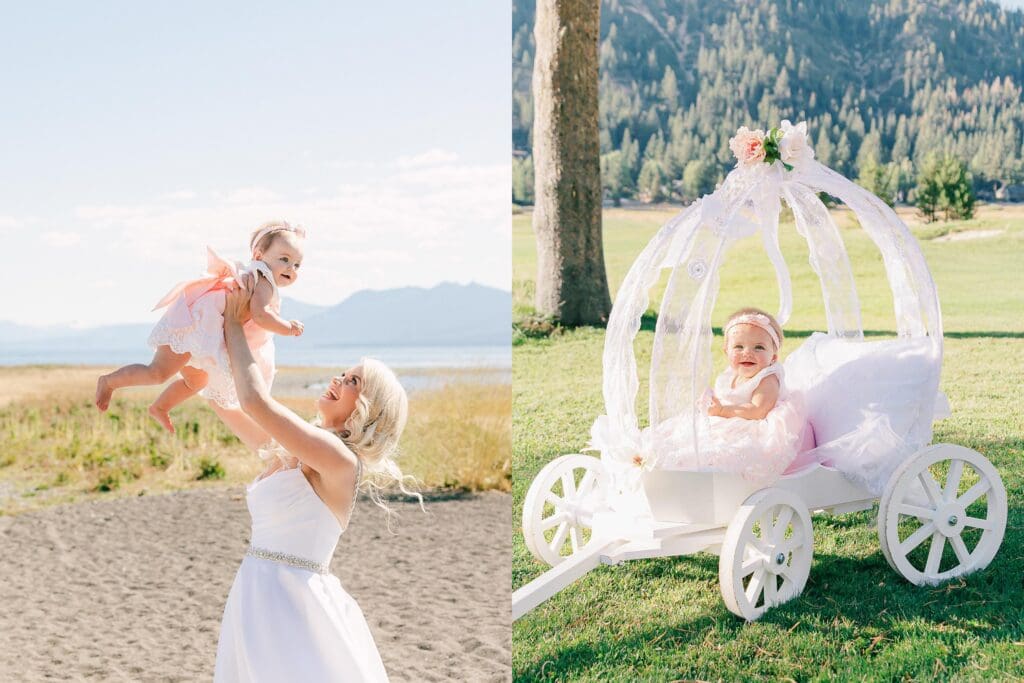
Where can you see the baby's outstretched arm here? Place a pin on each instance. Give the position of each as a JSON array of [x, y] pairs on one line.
[[761, 402], [263, 313]]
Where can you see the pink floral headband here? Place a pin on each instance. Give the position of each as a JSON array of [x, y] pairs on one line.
[[758, 320], [283, 226]]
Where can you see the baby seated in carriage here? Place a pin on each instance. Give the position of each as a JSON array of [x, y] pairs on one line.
[[751, 385], [755, 425]]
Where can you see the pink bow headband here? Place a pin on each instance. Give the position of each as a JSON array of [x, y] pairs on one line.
[[283, 226], [758, 320]]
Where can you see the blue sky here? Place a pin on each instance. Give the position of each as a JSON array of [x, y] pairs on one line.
[[134, 134]]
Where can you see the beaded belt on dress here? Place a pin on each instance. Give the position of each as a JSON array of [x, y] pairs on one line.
[[290, 560]]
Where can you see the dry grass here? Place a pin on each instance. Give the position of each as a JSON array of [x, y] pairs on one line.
[[460, 436], [56, 447]]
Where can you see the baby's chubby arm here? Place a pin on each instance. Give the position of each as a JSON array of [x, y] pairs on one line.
[[761, 402], [263, 313]]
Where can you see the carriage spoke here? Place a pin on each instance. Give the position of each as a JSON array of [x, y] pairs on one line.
[[555, 500], [784, 572], [754, 587], [917, 538], [930, 487], [758, 546], [978, 523], [915, 511], [574, 538], [960, 549], [974, 493], [956, 470], [569, 485], [935, 554], [553, 521], [586, 483], [766, 524], [771, 589], [781, 524], [559, 539], [750, 565], [789, 544]]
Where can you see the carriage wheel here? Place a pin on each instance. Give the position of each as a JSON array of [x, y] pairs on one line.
[[942, 514], [559, 506], [766, 554]]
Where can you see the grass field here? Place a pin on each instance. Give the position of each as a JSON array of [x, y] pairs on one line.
[[57, 448], [664, 619]]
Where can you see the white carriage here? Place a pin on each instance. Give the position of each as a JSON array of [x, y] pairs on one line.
[[942, 507]]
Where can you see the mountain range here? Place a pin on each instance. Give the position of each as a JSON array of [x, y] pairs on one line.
[[447, 314]]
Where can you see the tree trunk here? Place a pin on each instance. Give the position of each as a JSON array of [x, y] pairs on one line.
[[571, 282]]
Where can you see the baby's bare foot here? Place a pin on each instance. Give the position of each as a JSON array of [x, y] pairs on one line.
[[162, 417], [103, 392]]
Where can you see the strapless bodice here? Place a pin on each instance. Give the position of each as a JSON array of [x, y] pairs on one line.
[[289, 517]]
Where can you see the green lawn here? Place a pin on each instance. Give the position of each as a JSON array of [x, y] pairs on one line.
[[664, 619]]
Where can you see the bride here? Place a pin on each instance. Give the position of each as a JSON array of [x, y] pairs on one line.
[[287, 617]]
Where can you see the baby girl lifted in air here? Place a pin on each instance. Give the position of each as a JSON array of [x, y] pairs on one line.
[[189, 338], [756, 425]]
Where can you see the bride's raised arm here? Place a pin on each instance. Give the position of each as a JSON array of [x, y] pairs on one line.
[[317, 448]]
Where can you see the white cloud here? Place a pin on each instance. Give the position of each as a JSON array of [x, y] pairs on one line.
[[413, 225], [61, 239], [178, 195], [250, 195], [431, 157]]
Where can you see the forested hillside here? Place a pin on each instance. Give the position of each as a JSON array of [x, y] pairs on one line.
[[882, 84]]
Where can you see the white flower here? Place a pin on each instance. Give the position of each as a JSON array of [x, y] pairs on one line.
[[793, 147]]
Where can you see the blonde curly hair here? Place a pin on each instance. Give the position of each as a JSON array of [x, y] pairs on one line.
[[374, 429]]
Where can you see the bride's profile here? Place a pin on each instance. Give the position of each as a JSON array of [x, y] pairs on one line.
[[287, 617]]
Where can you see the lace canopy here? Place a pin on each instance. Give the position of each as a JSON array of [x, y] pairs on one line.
[[692, 245]]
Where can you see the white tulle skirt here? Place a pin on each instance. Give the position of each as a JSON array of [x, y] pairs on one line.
[[287, 624], [759, 450]]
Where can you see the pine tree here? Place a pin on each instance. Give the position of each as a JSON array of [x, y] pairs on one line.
[[698, 179], [522, 180], [651, 184], [928, 191], [957, 189], [878, 180], [944, 186], [669, 88]]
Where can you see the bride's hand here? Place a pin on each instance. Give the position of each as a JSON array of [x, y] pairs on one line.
[[236, 300]]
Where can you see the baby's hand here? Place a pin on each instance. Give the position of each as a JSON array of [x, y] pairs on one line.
[[297, 328], [715, 409]]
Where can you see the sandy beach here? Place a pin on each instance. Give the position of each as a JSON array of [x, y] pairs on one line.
[[133, 589]]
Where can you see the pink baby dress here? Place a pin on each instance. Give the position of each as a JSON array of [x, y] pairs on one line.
[[759, 450], [194, 324]]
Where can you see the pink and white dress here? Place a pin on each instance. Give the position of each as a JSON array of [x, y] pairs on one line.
[[759, 450], [194, 324]]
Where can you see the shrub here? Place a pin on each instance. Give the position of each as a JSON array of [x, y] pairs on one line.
[[210, 468], [944, 186]]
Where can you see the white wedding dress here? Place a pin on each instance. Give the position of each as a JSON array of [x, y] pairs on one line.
[[287, 618]]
